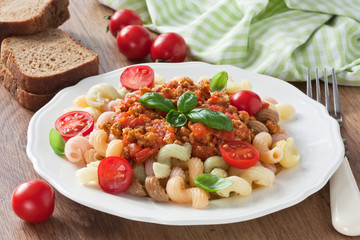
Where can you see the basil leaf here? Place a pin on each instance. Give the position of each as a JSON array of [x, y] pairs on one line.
[[212, 183], [156, 101], [219, 81], [57, 143], [186, 102], [213, 119], [175, 118]]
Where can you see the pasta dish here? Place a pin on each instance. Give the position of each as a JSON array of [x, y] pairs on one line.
[[183, 141]]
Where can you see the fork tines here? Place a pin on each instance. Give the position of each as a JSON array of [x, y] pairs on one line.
[[337, 113]]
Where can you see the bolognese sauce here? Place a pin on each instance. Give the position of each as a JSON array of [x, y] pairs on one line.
[[145, 130]]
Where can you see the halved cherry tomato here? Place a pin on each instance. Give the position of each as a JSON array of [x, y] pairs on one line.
[[74, 123], [239, 154], [122, 18], [114, 174], [33, 201], [248, 101], [136, 77]]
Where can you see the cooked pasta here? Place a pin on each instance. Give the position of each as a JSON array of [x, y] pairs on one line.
[[149, 166], [262, 142], [88, 175], [75, 148], [266, 114], [81, 102], [92, 155], [257, 126], [291, 154], [136, 189], [98, 140], [100, 94], [162, 167], [177, 192], [158, 79], [279, 136], [155, 190], [285, 110], [196, 167], [259, 175], [215, 162], [139, 172], [105, 117], [114, 148], [240, 187], [234, 87], [219, 172], [176, 171]]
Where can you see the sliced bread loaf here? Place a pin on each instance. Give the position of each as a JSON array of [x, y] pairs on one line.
[[35, 67], [47, 61], [28, 100], [23, 17]]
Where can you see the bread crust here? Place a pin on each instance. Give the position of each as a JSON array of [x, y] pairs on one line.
[[52, 15]]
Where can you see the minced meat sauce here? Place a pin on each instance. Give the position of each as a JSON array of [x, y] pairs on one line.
[[144, 130]]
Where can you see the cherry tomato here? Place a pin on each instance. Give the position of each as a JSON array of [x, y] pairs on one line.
[[239, 154], [122, 18], [134, 41], [74, 123], [33, 201], [248, 101], [114, 174], [136, 77], [170, 47]]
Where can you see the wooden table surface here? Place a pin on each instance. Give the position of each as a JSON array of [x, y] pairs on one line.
[[309, 219]]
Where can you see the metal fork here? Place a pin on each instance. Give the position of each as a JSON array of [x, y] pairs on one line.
[[344, 193]]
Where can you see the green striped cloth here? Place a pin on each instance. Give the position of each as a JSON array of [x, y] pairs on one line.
[[280, 38]]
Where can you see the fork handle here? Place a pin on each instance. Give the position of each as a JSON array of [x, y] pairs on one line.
[[345, 201]]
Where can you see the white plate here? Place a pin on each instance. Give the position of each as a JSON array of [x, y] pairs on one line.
[[316, 134]]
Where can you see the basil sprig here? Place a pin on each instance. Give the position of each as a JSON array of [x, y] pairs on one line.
[[156, 101], [186, 104], [212, 183], [176, 118], [57, 143], [213, 119], [187, 101], [219, 81]]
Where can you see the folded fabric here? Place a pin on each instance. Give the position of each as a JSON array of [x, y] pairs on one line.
[[280, 38]]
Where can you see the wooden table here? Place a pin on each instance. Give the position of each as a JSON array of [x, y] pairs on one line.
[[309, 219]]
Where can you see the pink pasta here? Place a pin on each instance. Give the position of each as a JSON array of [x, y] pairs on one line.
[[76, 147]]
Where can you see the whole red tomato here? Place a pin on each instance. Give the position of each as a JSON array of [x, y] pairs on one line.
[[122, 18], [170, 47], [33, 201], [248, 101], [134, 41]]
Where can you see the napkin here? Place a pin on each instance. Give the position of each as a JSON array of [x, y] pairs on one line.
[[279, 38]]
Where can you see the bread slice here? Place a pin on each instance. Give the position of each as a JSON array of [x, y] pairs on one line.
[[24, 17], [47, 61], [28, 100]]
